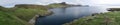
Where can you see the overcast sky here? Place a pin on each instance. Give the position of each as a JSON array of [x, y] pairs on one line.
[[45, 2]]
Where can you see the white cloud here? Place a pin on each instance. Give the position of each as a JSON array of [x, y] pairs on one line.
[[105, 1], [90, 2], [13, 2], [45, 2]]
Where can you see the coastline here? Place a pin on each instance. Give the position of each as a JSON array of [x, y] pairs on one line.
[[98, 19]]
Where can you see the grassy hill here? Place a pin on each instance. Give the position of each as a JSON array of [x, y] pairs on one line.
[[58, 5], [8, 19], [110, 18], [20, 15]]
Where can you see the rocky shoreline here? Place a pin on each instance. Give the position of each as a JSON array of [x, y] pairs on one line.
[[34, 19]]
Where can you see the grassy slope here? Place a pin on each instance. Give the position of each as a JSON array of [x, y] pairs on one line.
[[19, 16], [110, 18], [8, 19], [27, 14]]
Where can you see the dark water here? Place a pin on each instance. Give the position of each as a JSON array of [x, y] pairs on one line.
[[65, 15]]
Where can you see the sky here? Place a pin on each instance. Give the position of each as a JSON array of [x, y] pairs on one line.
[[9, 3]]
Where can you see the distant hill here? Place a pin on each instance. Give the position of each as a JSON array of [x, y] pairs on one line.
[[62, 4], [29, 6], [55, 5], [1, 7]]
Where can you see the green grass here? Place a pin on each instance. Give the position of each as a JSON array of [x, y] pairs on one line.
[[27, 14], [8, 19], [19, 16], [110, 18]]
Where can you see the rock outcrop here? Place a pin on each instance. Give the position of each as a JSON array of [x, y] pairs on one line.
[[113, 9]]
